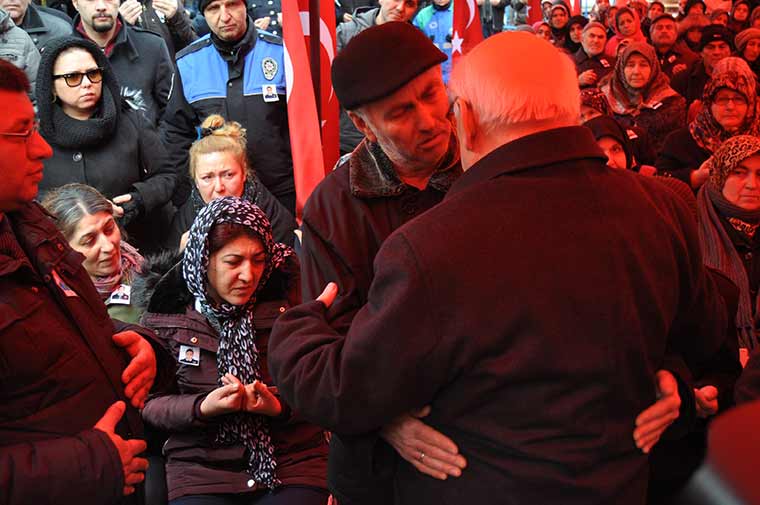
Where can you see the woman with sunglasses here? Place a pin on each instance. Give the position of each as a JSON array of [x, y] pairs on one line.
[[100, 140]]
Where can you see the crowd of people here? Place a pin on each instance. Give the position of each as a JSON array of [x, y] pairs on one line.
[[532, 277]]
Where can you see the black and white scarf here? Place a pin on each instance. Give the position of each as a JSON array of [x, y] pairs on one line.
[[237, 353]]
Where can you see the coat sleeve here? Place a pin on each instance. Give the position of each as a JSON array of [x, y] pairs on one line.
[[160, 178], [671, 159], [329, 378], [163, 86], [76, 469], [178, 133], [181, 29], [174, 412]]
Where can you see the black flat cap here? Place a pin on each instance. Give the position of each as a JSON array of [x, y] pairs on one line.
[[379, 61]]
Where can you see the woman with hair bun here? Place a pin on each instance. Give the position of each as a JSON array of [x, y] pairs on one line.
[[218, 168]]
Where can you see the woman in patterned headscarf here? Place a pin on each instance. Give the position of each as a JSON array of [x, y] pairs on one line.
[[729, 216], [729, 108], [639, 94], [229, 433]]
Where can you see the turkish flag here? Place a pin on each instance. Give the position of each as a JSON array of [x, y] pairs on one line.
[[467, 31], [305, 142], [329, 108], [535, 14]]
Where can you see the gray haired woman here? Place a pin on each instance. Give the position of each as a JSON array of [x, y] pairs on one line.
[[85, 219]]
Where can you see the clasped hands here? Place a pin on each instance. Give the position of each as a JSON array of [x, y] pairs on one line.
[[234, 396]]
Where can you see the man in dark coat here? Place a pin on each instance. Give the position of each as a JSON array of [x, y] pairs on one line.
[[39, 23], [167, 18], [674, 55], [590, 61], [67, 422], [531, 308], [139, 57], [403, 168], [716, 44]]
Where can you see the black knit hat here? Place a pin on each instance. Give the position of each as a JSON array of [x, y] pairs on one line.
[[712, 33], [380, 60]]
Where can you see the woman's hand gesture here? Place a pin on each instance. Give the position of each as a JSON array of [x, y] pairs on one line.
[[226, 399], [259, 399]]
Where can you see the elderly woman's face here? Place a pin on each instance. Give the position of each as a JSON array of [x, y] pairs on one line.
[[752, 50], [742, 187], [729, 108], [74, 72], [637, 71], [98, 238], [219, 174], [234, 270]]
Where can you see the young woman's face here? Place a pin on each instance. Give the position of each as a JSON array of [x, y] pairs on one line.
[[614, 152], [626, 25], [544, 32], [234, 270], [741, 12], [576, 31], [752, 50], [73, 74]]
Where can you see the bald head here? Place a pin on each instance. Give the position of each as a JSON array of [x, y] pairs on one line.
[[540, 82]]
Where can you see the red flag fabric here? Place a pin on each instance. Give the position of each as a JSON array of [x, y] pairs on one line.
[[305, 142], [467, 31], [535, 14], [329, 108]]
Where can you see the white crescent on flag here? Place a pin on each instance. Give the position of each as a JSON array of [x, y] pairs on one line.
[[471, 8], [324, 37]]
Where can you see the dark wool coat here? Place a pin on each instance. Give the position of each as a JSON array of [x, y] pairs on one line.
[[345, 221], [133, 159], [143, 66], [600, 64], [533, 327], [42, 26], [681, 155], [679, 54], [59, 370], [660, 122], [195, 464], [691, 82]]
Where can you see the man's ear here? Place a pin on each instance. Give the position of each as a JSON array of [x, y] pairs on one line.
[[362, 125], [467, 123], [74, 3]]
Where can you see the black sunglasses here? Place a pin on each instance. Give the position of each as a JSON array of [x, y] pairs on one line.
[[74, 79]]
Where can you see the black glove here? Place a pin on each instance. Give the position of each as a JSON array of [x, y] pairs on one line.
[[132, 209]]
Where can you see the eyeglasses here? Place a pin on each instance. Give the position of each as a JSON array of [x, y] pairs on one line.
[[736, 100], [26, 135], [74, 79]]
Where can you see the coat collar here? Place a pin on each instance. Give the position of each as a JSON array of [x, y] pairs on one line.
[[32, 22], [371, 173], [123, 38], [567, 144]]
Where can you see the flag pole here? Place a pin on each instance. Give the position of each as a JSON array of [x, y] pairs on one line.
[[315, 54]]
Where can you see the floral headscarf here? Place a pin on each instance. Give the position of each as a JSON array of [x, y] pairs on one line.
[[237, 353], [626, 100], [734, 74]]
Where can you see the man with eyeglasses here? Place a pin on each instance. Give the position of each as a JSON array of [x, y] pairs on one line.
[[140, 58], [72, 378]]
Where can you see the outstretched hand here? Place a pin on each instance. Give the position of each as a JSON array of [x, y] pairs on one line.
[[652, 422], [428, 450]]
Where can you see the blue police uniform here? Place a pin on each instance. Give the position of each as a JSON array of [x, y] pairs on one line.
[[437, 23]]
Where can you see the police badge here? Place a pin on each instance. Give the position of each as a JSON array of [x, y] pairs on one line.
[[269, 67]]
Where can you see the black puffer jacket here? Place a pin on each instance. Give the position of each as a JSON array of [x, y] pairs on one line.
[[195, 464]]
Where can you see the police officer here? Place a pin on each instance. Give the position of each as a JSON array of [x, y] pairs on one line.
[[436, 22], [229, 72]]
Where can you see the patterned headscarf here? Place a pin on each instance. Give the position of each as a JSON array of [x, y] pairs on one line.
[[594, 98], [237, 353], [718, 250], [734, 74], [622, 97]]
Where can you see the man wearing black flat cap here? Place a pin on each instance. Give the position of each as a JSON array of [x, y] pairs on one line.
[[389, 79], [716, 44]]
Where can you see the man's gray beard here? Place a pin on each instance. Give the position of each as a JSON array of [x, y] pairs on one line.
[[102, 28]]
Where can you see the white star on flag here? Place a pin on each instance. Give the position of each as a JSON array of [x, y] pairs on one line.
[[456, 43]]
